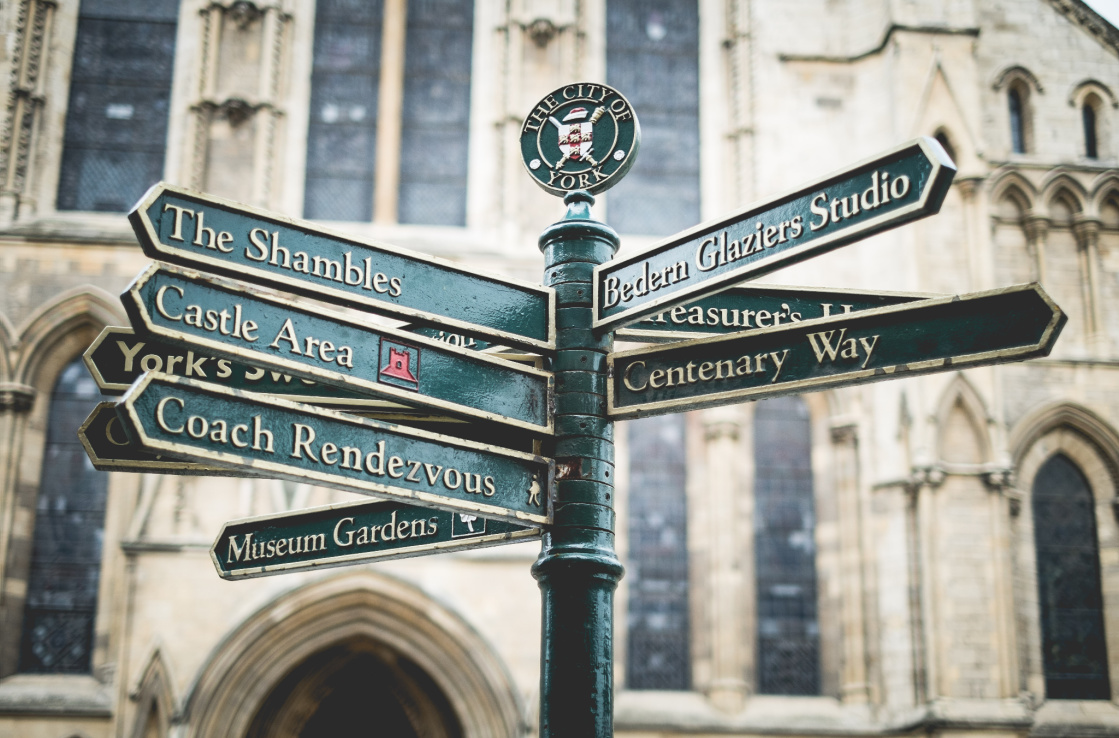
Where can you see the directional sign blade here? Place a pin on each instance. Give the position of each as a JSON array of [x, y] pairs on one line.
[[896, 187], [352, 533], [108, 447], [756, 306], [947, 333], [186, 227], [233, 321], [117, 358], [276, 438]]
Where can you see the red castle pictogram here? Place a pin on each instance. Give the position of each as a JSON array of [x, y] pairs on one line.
[[398, 367]]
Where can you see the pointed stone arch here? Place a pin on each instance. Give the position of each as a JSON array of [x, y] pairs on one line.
[[1059, 185], [154, 697], [1105, 194], [255, 658], [65, 325], [1013, 73], [962, 408], [1092, 445], [1010, 184]]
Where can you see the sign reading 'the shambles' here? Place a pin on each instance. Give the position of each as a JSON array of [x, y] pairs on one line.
[[352, 533], [899, 186], [213, 425], [186, 227]]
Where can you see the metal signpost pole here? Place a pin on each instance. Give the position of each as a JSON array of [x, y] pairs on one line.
[[578, 570]]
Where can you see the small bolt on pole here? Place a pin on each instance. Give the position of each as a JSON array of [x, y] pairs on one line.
[[578, 141]]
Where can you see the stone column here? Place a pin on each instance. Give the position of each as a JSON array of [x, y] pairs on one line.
[[1087, 231], [15, 533], [854, 679], [728, 575], [924, 555], [1037, 232], [1004, 505]]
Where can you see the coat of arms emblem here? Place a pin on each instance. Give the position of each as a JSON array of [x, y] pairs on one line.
[[583, 136]]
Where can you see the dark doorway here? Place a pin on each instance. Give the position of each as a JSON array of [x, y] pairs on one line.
[[356, 688]]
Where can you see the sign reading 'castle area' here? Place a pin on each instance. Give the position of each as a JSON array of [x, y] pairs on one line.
[[212, 425], [182, 226], [899, 186], [229, 320], [351, 533], [1010, 324]]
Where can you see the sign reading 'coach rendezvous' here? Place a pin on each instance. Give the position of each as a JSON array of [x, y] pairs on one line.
[[1010, 324], [186, 227], [899, 186], [201, 422], [227, 319]]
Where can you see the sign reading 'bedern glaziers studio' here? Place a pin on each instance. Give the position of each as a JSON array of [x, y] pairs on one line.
[[899, 186]]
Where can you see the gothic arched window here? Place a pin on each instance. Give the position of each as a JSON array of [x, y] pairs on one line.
[[653, 46], [658, 655], [57, 633], [1074, 651], [120, 92], [785, 549], [1016, 104], [390, 78], [1091, 141]]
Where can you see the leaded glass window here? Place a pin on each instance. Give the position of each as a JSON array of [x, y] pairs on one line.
[[435, 126], [120, 91], [1074, 651], [1091, 143], [652, 58], [62, 583], [342, 134], [785, 549], [658, 656], [1017, 121]]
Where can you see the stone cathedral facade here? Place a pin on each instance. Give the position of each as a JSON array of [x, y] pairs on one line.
[[934, 555]]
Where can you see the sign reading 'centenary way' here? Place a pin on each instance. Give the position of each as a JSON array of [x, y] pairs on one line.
[[201, 422], [761, 306], [186, 227], [351, 533], [981, 328], [229, 320], [899, 186], [581, 137]]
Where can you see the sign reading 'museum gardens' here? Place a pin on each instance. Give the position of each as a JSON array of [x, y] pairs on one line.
[[230, 374]]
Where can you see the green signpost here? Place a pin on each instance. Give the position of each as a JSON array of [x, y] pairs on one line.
[[352, 533], [901, 185], [214, 425], [185, 227], [243, 354], [228, 320], [1010, 324], [756, 306]]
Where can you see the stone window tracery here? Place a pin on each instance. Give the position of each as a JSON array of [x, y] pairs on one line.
[[788, 637], [390, 109], [58, 617], [116, 121], [653, 48]]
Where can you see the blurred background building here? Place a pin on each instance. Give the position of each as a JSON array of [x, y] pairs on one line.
[[927, 556]]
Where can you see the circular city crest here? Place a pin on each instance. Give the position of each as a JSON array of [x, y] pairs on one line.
[[583, 136]]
